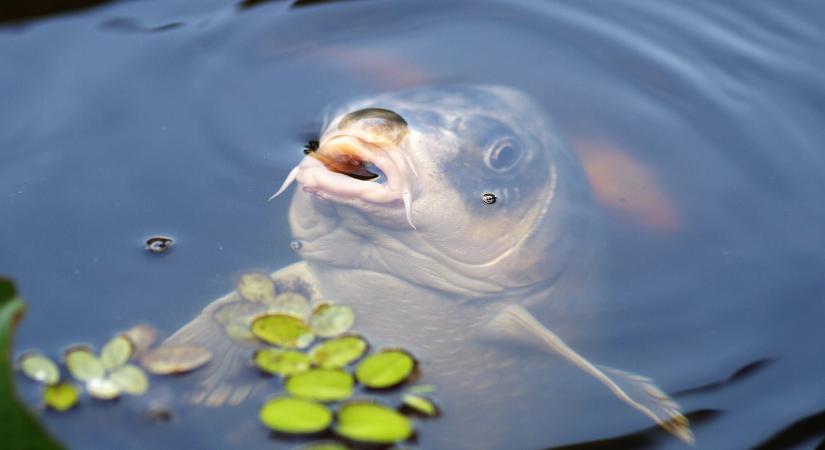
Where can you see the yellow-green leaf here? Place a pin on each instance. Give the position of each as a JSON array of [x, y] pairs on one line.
[[130, 379], [370, 422], [419, 404], [325, 385], [116, 352], [385, 369], [295, 416], [172, 359], [256, 287], [323, 445], [39, 367], [329, 320], [281, 362], [83, 364], [338, 352], [283, 330], [61, 396]]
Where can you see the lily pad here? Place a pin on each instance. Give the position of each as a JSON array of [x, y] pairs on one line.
[[292, 303], [39, 367], [283, 330], [324, 385], [330, 320], [173, 359], [281, 362], [83, 364], [295, 416], [102, 389], [385, 369], [116, 352], [370, 422], [338, 352], [61, 396], [256, 287], [142, 337], [420, 405], [130, 379]]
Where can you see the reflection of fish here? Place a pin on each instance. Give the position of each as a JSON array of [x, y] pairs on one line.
[[390, 220]]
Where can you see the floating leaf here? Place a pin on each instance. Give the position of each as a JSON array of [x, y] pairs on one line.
[[385, 369], [282, 330], [142, 337], [292, 303], [256, 287], [338, 352], [130, 379], [421, 389], [102, 388], [329, 320], [370, 422], [61, 396], [39, 367], [116, 352], [323, 445], [325, 385], [83, 364], [171, 359], [419, 404], [281, 362], [295, 416]]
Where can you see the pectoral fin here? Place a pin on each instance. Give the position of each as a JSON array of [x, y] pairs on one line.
[[639, 392]]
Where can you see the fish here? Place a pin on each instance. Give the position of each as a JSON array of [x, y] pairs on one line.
[[449, 218]]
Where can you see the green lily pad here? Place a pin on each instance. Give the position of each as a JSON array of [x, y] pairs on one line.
[[292, 303], [338, 352], [39, 367], [325, 385], [330, 320], [83, 364], [102, 389], [256, 287], [385, 369], [61, 396], [295, 416], [116, 352], [130, 379], [174, 359], [370, 422], [282, 330], [420, 404], [281, 362]]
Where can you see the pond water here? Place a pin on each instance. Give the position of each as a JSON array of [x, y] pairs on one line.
[[699, 126]]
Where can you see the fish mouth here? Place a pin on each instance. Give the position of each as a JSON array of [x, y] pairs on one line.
[[346, 166]]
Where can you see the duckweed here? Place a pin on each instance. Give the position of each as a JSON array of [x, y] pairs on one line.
[[295, 416], [338, 352], [330, 320], [61, 396], [83, 364], [39, 368], [420, 404], [324, 385], [385, 369], [256, 287], [283, 330], [281, 362], [371, 422], [116, 352]]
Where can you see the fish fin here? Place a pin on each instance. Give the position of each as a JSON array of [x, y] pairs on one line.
[[637, 391]]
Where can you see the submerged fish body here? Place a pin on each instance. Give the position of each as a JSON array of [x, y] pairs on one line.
[[389, 219]]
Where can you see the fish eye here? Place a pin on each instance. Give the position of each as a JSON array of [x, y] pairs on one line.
[[503, 154]]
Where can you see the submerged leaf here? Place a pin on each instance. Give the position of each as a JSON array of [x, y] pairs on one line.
[[282, 330], [385, 369], [256, 287], [281, 362], [83, 364], [39, 367], [172, 359], [329, 320], [295, 416], [324, 385], [142, 337], [130, 379], [116, 352], [419, 404], [236, 319], [102, 388], [338, 352], [292, 303], [61, 396], [370, 422]]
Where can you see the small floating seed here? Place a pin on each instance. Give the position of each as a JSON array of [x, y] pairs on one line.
[[158, 244]]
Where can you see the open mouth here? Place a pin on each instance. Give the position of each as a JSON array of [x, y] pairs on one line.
[[345, 166]]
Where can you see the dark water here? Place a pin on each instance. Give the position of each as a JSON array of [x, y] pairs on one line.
[[181, 118]]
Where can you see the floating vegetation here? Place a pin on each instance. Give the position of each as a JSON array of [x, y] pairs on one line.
[[323, 385], [61, 396], [283, 330], [281, 362], [292, 303], [330, 320], [175, 359], [295, 416], [385, 369], [338, 352], [142, 337], [420, 404], [102, 388], [367, 421], [39, 368], [116, 352], [256, 287], [323, 445], [83, 364], [130, 379]]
